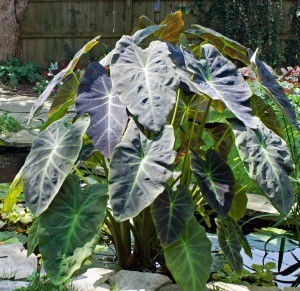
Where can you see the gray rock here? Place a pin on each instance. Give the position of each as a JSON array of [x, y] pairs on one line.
[[14, 262], [92, 279], [7, 285], [234, 287], [20, 139], [171, 287], [127, 280], [291, 289]]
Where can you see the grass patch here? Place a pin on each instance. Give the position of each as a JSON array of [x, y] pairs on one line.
[[9, 123]]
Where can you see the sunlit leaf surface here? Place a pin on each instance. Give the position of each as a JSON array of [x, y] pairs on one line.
[[51, 159]]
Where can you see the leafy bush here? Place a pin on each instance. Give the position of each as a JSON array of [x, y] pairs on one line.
[[151, 145], [13, 72], [9, 123]]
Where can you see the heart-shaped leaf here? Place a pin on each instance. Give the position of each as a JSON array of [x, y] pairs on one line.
[[145, 80], [266, 114], [139, 169], [171, 212], [51, 159], [224, 44], [215, 180], [189, 258], [230, 244], [274, 90], [60, 76], [267, 161], [73, 224], [218, 78], [97, 97]]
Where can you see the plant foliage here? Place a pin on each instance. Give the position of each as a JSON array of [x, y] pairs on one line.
[[167, 160]]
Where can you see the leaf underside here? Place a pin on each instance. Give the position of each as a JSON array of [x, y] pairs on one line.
[[60, 76]]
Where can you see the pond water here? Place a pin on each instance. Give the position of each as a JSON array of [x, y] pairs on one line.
[[262, 255], [11, 161]]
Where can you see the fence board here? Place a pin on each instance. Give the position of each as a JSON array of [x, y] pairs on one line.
[[52, 29]]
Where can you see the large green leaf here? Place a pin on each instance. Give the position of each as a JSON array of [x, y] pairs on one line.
[[14, 191], [266, 114], [274, 90], [139, 169], [218, 78], [230, 244], [171, 212], [72, 226], [60, 77], [170, 29], [97, 97], [215, 180], [145, 80], [222, 43], [189, 258], [52, 156], [267, 161]]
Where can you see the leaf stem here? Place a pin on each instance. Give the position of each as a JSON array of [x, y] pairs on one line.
[[179, 92]]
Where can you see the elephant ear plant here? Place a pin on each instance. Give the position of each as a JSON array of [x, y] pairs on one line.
[[145, 120]]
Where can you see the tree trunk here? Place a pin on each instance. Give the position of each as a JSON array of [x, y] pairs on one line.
[[11, 12]]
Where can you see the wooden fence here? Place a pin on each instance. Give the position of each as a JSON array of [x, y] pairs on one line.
[[53, 30]]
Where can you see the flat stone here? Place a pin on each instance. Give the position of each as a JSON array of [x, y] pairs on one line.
[[20, 139], [14, 262], [259, 203], [170, 287], [291, 289], [128, 280], [20, 103], [234, 287], [103, 287], [92, 279], [8, 285]]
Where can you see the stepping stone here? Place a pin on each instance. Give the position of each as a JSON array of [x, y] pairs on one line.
[[127, 280], [233, 287], [92, 280], [8, 285], [21, 139], [14, 262]]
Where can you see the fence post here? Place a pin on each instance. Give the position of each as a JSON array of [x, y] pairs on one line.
[[128, 22]]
